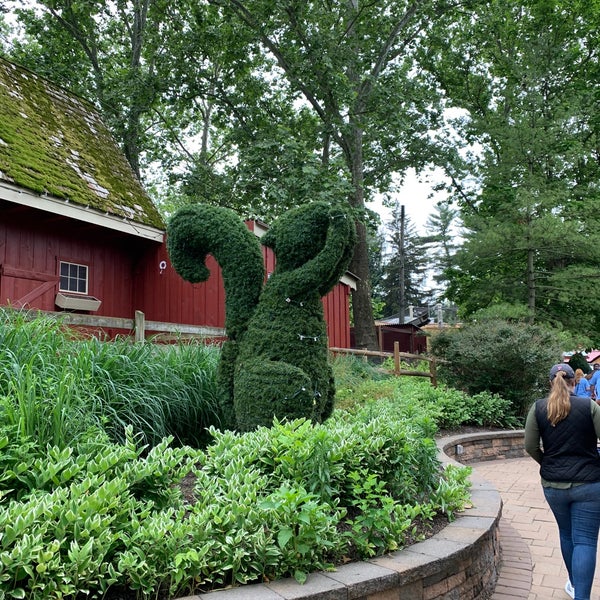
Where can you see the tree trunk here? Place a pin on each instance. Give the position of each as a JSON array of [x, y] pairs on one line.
[[365, 336]]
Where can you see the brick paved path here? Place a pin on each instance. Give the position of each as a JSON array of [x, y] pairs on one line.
[[532, 566]]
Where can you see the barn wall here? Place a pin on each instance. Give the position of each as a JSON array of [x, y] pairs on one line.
[[125, 273], [33, 242], [337, 316], [409, 337], [164, 296]]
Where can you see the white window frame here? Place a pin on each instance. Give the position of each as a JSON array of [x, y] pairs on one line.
[[73, 277]]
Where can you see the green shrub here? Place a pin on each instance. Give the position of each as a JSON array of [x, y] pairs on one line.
[[578, 361], [509, 359], [65, 518], [447, 407], [267, 504]]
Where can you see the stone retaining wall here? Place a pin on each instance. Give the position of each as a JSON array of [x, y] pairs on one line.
[[459, 563], [477, 447]]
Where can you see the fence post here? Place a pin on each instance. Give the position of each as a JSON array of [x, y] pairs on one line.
[[140, 326], [433, 372], [397, 358]]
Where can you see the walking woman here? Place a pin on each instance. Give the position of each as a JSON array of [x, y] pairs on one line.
[[569, 427]]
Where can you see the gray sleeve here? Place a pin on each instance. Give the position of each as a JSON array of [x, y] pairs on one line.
[[532, 436]]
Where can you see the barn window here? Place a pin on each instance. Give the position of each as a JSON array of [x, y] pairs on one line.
[[73, 278]]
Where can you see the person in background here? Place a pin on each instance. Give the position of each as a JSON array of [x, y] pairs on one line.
[[595, 382], [568, 427], [583, 387]]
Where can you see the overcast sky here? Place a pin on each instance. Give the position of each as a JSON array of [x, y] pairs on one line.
[[414, 194]]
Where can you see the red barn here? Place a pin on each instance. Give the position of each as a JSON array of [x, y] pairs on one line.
[[78, 234]]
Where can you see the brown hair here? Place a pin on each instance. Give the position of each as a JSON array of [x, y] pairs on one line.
[[559, 400]]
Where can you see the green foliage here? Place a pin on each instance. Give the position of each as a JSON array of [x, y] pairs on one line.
[[349, 372], [449, 408], [199, 229], [97, 517], [87, 516], [578, 361], [452, 493], [508, 359], [452, 408], [55, 388], [275, 363], [65, 518], [524, 178], [503, 311]]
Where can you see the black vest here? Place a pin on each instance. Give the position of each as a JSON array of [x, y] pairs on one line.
[[570, 447]]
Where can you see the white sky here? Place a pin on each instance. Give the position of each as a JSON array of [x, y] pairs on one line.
[[415, 196]]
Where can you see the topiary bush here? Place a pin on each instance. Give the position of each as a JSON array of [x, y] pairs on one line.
[[509, 359], [578, 361], [198, 230], [275, 364]]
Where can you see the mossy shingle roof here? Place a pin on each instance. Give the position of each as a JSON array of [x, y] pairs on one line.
[[53, 142]]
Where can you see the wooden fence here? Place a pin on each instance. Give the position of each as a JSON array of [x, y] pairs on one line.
[[397, 356], [139, 326], [163, 331]]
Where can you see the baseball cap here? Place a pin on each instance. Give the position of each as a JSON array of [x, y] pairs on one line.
[[566, 369]]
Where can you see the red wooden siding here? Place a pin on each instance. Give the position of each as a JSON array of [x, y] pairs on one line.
[[126, 273], [164, 296], [410, 338], [33, 242], [337, 316]]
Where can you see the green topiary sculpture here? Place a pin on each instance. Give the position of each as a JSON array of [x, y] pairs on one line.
[[275, 362]]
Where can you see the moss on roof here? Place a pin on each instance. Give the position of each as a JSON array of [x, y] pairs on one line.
[[52, 141]]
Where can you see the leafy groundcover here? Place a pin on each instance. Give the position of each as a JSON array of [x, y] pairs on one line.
[[124, 521]]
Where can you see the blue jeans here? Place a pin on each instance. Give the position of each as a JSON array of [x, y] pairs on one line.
[[577, 513]]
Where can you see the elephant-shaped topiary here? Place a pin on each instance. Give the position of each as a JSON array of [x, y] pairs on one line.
[[275, 362]]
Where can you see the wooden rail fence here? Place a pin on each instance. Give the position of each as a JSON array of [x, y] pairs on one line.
[[397, 356], [138, 326], [163, 331]]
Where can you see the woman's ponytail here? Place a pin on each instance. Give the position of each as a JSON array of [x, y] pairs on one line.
[[559, 400]]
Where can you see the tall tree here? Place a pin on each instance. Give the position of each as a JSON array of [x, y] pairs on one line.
[[351, 63], [405, 269], [443, 243], [527, 74]]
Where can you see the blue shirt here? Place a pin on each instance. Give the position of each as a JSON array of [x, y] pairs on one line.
[[595, 381], [583, 388]]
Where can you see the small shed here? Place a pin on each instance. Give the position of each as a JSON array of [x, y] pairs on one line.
[[406, 331], [80, 237]]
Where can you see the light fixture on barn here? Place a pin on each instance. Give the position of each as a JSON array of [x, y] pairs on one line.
[[162, 265]]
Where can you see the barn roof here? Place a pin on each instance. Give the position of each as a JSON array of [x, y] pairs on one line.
[[55, 148]]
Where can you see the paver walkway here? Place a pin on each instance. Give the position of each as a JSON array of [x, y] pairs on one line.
[[532, 566]]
